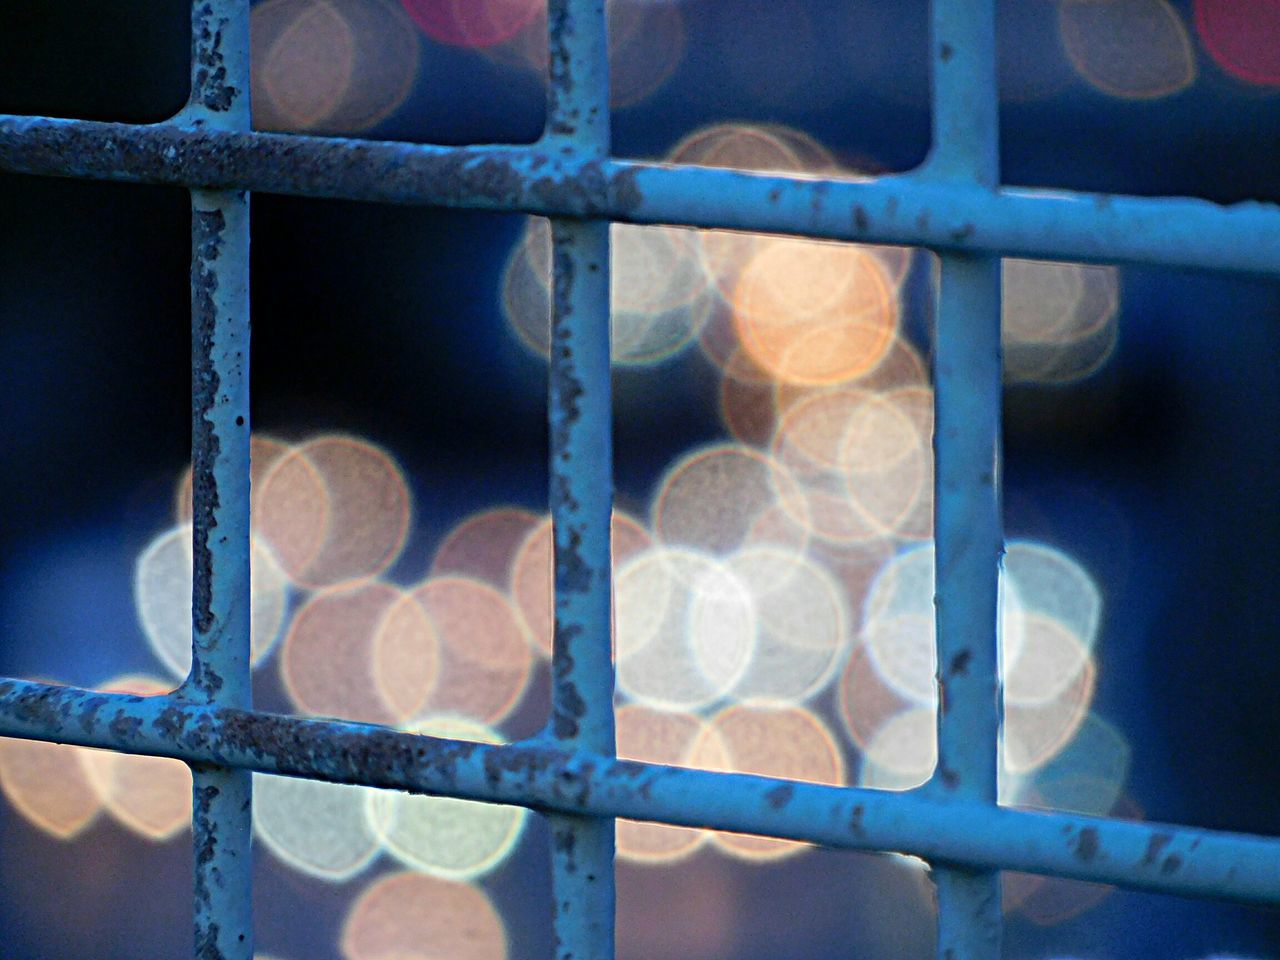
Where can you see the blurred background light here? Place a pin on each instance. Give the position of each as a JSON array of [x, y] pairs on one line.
[[1242, 37], [408, 915], [331, 66], [444, 836], [320, 829], [1133, 49], [774, 470]]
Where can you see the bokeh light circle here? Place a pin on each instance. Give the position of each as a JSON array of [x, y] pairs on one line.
[[48, 785], [771, 740], [860, 462], [686, 629], [471, 23], [1243, 37], [445, 836], [151, 796], [533, 571], [1058, 320], [898, 624], [316, 828], [814, 312], [802, 633], [408, 916], [368, 517], [340, 66], [484, 546], [714, 499], [658, 294], [363, 652], [670, 738], [486, 654], [1035, 732], [903, 751], [162, 588], [1133, 49], [303, 57]]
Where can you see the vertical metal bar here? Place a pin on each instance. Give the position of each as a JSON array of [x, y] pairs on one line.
[[966, 116], [581, 480], [220, 673], [967, 442]]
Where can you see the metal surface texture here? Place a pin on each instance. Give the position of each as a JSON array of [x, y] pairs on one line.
[[581, 494], [954, 204], [221, 819], [967, 527], [916, 209], [541, 775]]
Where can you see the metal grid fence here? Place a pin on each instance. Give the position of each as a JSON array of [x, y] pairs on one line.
[[953, 204]]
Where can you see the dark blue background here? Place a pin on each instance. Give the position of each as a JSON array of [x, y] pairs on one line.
[[1158, 474]]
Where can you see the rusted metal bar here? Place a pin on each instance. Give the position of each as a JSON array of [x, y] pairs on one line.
[[542, 775], [221, 819], [580, 412], [910, 209]]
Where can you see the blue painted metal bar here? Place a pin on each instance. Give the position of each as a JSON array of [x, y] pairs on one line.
[[220, 673], [542, 775], [967, 527], [580, 413], [967, 532], [912, 210]]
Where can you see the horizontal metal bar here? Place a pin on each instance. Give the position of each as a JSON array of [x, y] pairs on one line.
[[541, 178], [537, 774]]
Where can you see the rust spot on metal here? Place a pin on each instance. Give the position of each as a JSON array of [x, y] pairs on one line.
[[207, 943], [1171, 865], [211, 88], [587, 190], [170, 723], [497, 177], [1155, 846], [124, 728], [960, 663], [855, 821], [962, 233], [950, 779], [565, 841], [207, 229], [573, 573], [945, 52], [779, 797], [569, 707], [357, 753], [860, 218], [1086, 845], [818, 197], [89, 713]]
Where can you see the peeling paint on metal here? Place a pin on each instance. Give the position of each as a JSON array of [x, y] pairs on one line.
[[912, 209], [207, 227], [1086, 844], [779, 797], [549, 777], [1155, 848]]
